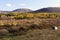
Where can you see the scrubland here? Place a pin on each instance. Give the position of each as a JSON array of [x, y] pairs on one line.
[[29, 26]]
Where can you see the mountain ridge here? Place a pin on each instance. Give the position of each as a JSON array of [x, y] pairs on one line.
[[47, 9], [22, 10]]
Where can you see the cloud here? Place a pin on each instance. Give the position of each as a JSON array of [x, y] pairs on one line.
[[8, 4], [22, 4]]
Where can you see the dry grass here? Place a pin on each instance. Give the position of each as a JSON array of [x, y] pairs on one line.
[[31, 29], [37, 34]]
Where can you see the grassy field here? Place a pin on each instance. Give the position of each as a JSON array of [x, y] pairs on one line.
[[29, 26], [36, 34], [30, 29]]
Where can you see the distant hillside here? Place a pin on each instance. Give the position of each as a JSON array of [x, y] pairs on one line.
[[17, 10], [49, 9], [22, 10], [1, 11]]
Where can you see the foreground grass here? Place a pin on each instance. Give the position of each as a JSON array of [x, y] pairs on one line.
[[31, 29], [36, 34]]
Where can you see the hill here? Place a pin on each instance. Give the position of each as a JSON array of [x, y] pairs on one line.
[[49, 9], [1, 11], [22, 10], [17, 10]]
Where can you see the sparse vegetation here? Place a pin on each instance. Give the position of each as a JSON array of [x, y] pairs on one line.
[[29, 15], [19, 25]]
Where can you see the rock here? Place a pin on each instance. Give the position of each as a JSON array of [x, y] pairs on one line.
[[55, 28]]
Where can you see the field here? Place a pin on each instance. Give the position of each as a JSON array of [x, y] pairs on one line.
[[29, 26]]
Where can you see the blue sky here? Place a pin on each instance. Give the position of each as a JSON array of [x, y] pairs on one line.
[[10, 5]]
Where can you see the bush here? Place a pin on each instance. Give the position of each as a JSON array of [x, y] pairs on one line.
[[1, 24], [3, 32]]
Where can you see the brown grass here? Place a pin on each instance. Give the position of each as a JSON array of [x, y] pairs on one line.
[[31, 29]]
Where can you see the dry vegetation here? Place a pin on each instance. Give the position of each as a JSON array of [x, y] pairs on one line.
[[29, 26]]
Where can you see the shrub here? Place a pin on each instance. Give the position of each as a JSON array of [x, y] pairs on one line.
[[13, 24], [3, 32], [1, 24]]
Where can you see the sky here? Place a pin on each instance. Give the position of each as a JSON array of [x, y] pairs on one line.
[[9, 5]]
